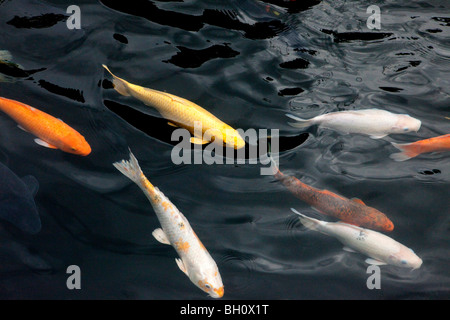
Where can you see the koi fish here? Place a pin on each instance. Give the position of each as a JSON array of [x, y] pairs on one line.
[[51, 132], [411, 150], [353, 211], [373, 122], [194, 261], [380, 248], [17, 204], [182, 113]]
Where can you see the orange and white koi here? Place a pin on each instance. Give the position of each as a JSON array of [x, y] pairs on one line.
[[51, 132], [194, 261], [182, 113], [353, 211], [411, 150]]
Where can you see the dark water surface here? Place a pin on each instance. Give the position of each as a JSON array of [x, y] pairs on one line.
[[248, 62]]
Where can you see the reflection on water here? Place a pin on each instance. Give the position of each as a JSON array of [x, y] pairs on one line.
[[249, 63]]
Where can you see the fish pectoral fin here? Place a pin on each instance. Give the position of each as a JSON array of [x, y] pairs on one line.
[[357, 200], [161, 236], [195, 140], [348, 249], [378, 136], [22, 128], [44, 144], [375, 262], [181, 265]]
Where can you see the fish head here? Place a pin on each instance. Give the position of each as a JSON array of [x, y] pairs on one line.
[[209, 281], [405, 258], [232, 139], [406, 123], [77, 145]]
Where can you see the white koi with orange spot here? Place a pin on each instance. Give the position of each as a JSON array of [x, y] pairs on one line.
[[195, 261]]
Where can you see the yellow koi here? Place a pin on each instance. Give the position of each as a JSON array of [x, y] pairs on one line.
[[182, 113]]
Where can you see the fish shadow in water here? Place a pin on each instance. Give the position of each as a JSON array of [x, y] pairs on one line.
[[17, 204], [159, 129]]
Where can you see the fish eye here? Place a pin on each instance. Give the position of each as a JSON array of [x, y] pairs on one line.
[[207, 286], [405, 129], [404, 262]]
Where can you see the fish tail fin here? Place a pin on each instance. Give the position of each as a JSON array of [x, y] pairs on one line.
[[300, 123], [273, 163], [408, 151], [130, 169], [120, 85], [308, 222]]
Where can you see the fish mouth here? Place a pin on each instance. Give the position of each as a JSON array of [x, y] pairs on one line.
[[85, 151], [217, 293]]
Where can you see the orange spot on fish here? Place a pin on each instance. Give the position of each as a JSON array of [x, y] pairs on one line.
[[166, 205], [182, 245]]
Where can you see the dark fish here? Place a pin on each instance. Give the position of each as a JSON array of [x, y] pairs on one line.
[[352, 211], [17, 204]]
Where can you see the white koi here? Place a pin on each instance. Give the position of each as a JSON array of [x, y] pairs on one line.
[[380, 248], [194, 261], [373, 122]]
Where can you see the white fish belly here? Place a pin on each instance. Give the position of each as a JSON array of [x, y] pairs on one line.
[[372, 122], [373, 244]]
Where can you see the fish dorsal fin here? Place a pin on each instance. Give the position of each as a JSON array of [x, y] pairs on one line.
[[181, 266], [357, 200], [44, 144], [176, 99], [186, 103], [172, 124], [161, 236], [32, 184]]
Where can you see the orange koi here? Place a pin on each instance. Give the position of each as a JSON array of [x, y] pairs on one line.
[[411, 150], [51, 132]]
